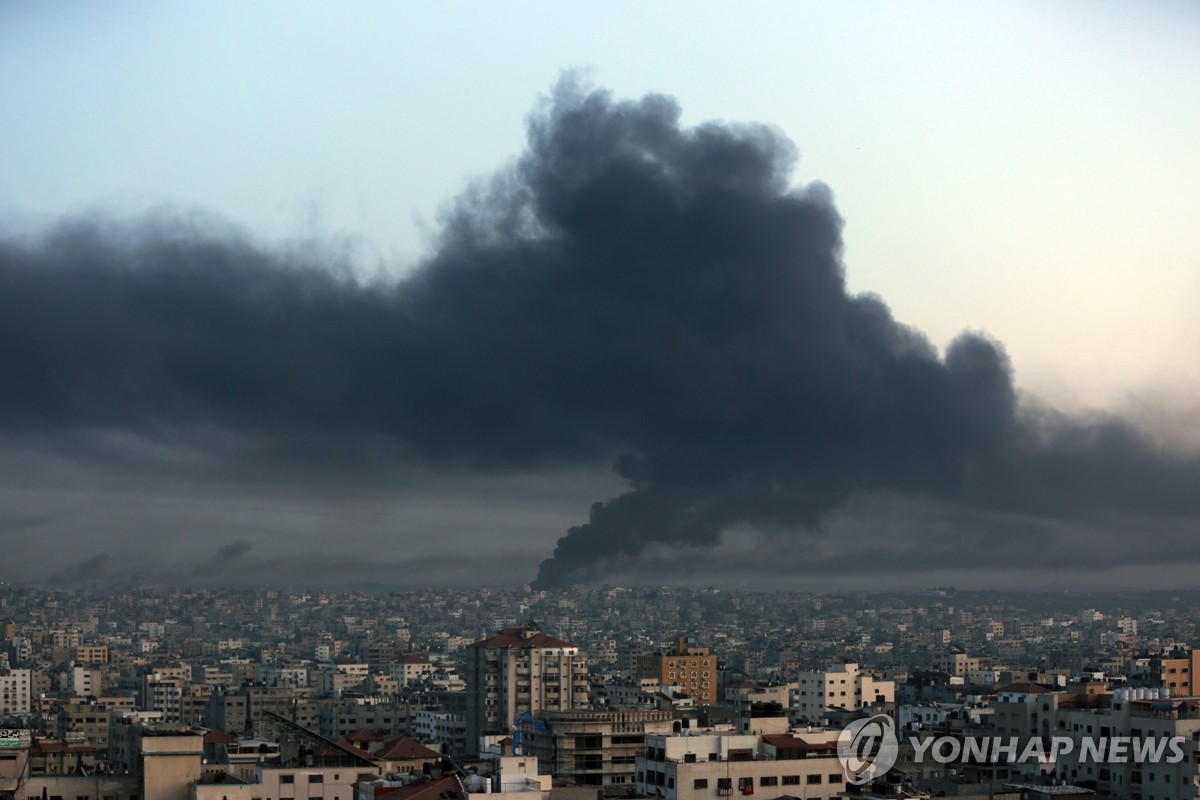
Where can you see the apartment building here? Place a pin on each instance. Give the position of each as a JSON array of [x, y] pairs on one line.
[[1148, 723], [410, 668], [957, 663], [688, 666], [838, 686], [339, 719], [589, 748], [91, 654], [1178, 673], [15, 694], [709, 766], [521, 670]]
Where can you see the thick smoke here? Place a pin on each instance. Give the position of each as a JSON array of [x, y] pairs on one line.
[[631, 290]]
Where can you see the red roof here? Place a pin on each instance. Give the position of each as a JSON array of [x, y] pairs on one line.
[[521, 638], [216, 737], [447, 788], [407, 748], [365, 735]]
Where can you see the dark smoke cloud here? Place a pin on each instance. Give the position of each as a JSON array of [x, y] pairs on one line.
[[224, 559], [630, 290]]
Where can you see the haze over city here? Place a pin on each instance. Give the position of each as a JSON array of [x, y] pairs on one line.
[[402, 295]]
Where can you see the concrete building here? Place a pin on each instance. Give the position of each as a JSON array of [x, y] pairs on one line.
[[708, 766], [333, 680], [521, 670], [445, 729], [688, 666], [957, 663], [165, 694], [15, 694], [85, 681], [410, 668], [338, 719], [1178, 672], [838, 686], [90, 718], [1148, 723], [91, 654], [589, 748]]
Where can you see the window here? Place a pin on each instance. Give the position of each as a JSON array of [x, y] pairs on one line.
[[724, 786], [834, 777], [287, 778], [768, 780], [811, 779], [746, 785], [316, 778], [791, 780], [700, 783]]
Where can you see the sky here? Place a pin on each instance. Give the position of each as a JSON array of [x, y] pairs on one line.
[[298, 293]]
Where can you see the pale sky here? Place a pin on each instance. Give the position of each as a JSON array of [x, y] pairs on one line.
[[1029, 170]]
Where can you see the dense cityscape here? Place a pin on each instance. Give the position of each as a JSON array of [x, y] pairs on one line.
[[599, 401], [614, 690]]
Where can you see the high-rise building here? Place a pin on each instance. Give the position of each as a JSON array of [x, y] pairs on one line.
[[688, 666], [15, 695], [521, 670]]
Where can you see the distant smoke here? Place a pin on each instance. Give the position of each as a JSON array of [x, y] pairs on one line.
[[224, 558], [631, 290]]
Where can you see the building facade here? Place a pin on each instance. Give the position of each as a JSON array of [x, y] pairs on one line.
[[521, 670]]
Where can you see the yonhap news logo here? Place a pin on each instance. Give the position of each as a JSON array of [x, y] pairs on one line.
[[868, 748]]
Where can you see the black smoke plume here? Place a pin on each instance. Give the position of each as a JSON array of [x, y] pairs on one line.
[[630, 290]]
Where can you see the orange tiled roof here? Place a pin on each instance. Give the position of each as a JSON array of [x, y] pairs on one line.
[[517, 638]]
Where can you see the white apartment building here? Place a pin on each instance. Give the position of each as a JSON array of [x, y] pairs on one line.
[[838, 686]]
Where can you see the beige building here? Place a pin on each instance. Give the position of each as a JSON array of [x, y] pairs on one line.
[[410, 668], [521, 670], [837, 687], [689, 667], [1178, 674], [709, 766], [85, 681], [956, 663], [15, 692]]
